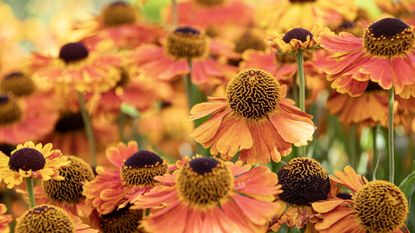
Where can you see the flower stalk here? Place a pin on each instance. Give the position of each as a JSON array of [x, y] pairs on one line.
[[391, 136], [29, 189], [301, 84], [88, 129]]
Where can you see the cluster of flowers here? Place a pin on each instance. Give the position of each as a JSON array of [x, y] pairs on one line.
[[114, 104]]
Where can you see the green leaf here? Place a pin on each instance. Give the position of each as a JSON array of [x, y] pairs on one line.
[[408, 184], [129, 110]]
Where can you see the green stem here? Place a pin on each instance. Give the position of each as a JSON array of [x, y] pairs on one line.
[[391, 140], [301, 99], [175, 13], [88, 129], [121, 125], [353, 151], [375, 151], [29, 188]]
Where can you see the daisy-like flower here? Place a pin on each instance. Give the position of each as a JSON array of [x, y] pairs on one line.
[[209, 195], [170, 61], [26, 118], [67, 193], [119, 22], [17, 83], [282, 15], [296, 39], [133, 89], [131, 175], [375, 206], [254, 118], [303, 181], [369, 108], [123, 219], [220, 17], [49, 218], [5, 219], [30, 160], [78, 67], [384, 55]]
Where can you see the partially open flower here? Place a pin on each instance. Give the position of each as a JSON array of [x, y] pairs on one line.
[[18, 84], [375, 206], [79, 68], [118, 13], [131, 175], [296, 39], [31, 160]]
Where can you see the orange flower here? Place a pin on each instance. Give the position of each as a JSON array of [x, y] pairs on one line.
[[403, 9], [362, 211], [26, 118], [216, 16], [119, 23], [208, 195], [5, 219], [282, 15], [133, 89], [255, 118], [130, 176], [169, 62], [49, 218], [77, 67], [384, 55], [303, 181]]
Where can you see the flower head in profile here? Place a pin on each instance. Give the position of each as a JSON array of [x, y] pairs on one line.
[[303, 181], [78, 67], [282, 15], [254, 118], [131, 174], [182, 45], [26, 118], [296, 39], [5, 219], [49, 218], [375, 206], [209, 194], [384, 55], [30, 160]]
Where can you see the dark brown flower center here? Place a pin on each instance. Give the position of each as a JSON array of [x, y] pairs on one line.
[[45, 218], [9, 110], [27, 159], [122, 220], [69, 122], [70, 189], [119, 13], [389, 37], [300, 34], [18, 84], [141, 168], [73, 52], [203, 182], [303, 181], [186, 42], [253, 93], [210, 2], [249, 40], [381, 206]]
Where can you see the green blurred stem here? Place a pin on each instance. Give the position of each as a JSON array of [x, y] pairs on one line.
[[353, 149], [29, 189], [301, 99], [376, 158], [391, 140], [88, 129], [121, 125], [175, 13]]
